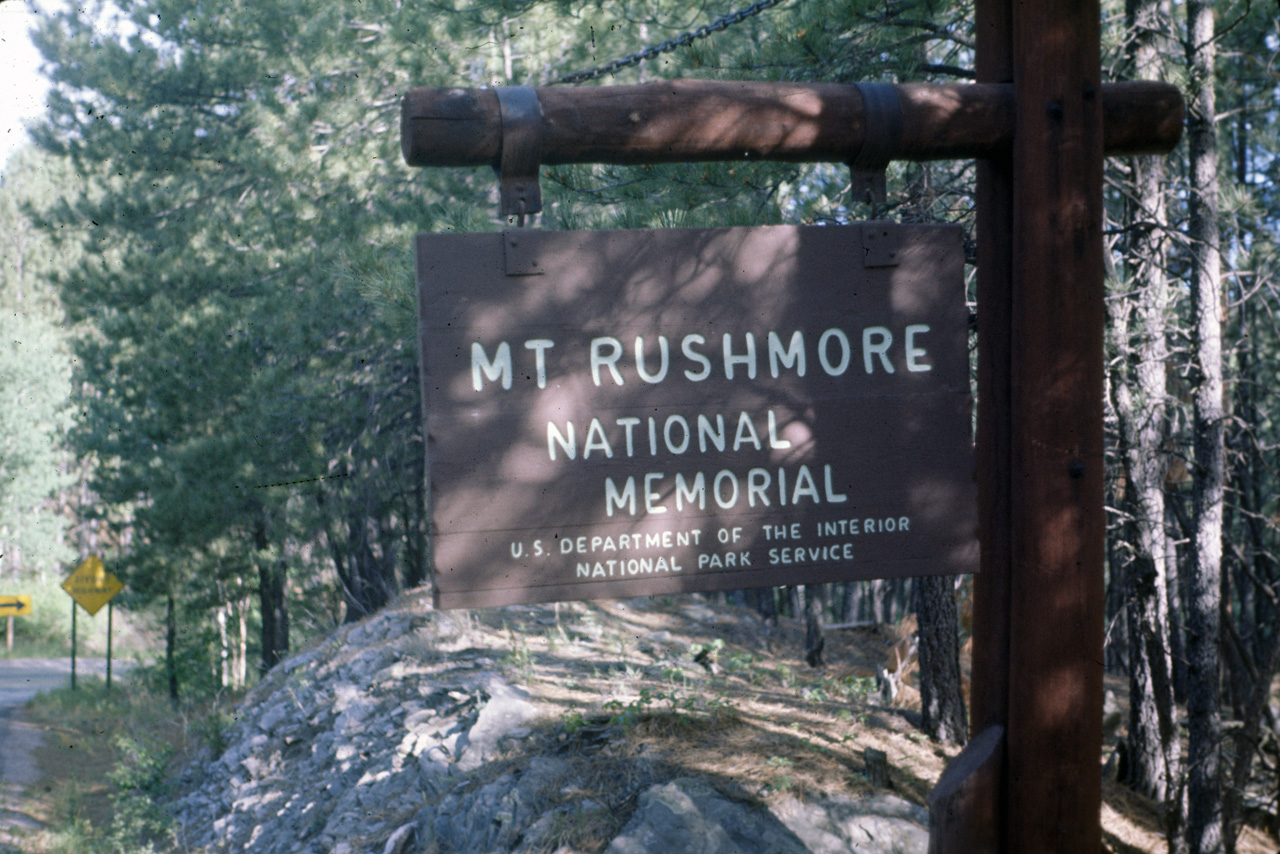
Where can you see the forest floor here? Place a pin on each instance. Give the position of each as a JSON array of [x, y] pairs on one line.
[[790, 728]]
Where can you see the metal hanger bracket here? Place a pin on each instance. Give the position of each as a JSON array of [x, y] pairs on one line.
[[880, 137], [520, 194]]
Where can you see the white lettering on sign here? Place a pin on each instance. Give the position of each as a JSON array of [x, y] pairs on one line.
[[628, 566], [539, 346], [671, 435], [810, 554], [841, 364], [739, 358], [662, 360], [622, 555], [747, 358], [876, 341], [843, 527], [600, 359], [792, 356], [630, 542], [497, 368], [718, 409], [762, 488]]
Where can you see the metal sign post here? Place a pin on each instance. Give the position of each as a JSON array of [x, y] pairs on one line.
[[91, 587], [73, 644], [110, 613]]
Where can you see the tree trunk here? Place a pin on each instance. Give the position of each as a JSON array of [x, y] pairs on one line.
[[171, 648], [1173, 585], [1261, 566], [1247, 742], [224, 647], [941, 695], [1117, 637], [813, 640], [272, 590], [848, 602], [241, 670], [1139, 397], [767, 606], [1204, 785], [880, 610], [416, 530], [795, 606], [275, 612]]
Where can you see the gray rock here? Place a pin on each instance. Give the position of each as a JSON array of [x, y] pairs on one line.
[[507, 712], [274, 716], [691, 817], [495, 816], [300, 660], [364, 743], [400, 841]]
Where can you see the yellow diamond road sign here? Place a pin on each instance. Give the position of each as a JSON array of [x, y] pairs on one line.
[[91, 585]]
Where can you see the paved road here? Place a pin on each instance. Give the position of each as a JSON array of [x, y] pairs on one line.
[[20, 680]]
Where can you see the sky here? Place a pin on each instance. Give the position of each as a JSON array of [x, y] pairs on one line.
[[22, 89]]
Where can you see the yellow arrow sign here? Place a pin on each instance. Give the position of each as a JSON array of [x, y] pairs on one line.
[[91, 585], [15, 606]]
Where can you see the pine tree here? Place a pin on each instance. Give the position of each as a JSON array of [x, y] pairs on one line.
[[1204, 785], [35, 375]]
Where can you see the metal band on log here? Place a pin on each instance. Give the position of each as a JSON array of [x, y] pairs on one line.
[[701, 120]]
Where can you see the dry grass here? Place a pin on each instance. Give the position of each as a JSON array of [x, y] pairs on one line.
[[84, 737], [763, 725], [632, 707]]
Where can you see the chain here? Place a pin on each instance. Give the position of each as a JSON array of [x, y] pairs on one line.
[[683, 40]]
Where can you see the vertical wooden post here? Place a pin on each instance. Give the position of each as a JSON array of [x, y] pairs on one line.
[[8, 635], [1039, 597], [986, 814]]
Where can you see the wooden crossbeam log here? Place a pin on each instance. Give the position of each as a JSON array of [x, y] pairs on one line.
[[702, 120]]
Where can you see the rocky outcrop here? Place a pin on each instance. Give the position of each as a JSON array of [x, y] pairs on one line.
[[398, 737]]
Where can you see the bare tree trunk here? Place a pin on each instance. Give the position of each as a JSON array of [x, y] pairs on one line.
[[1173, 578], [796, 607], [1140, 401], [1247, 742], [1260, 566], [171, 648], [813, 640], [272, 599], [241, 669], [224, 647], [1204, 784], [275, 612], [1116, 649], [848, 604], [767, 605], [941, 695], [415, 573]]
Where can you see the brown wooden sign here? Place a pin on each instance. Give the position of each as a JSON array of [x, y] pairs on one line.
[[624, 413]]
